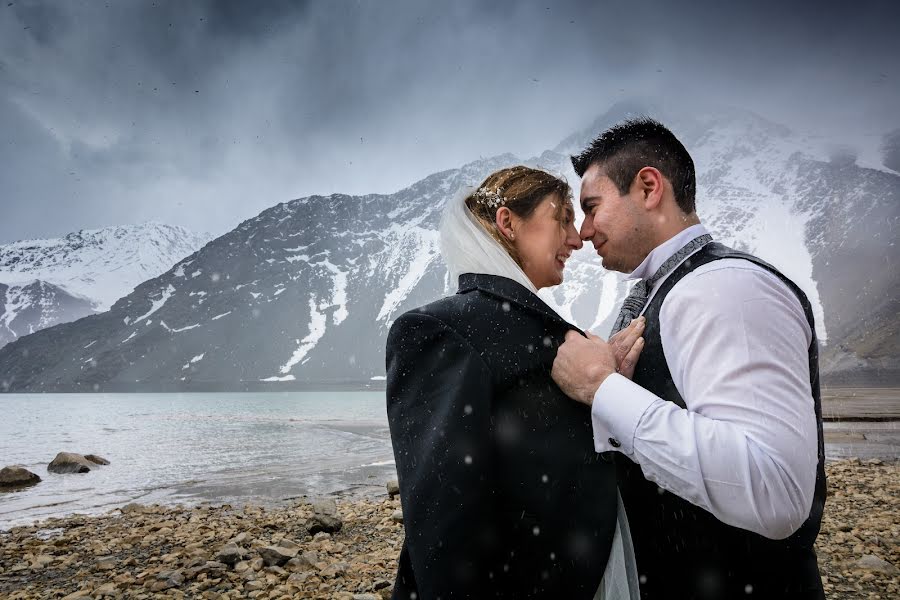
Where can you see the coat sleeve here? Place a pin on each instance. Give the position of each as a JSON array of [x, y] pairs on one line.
[[438, 404]]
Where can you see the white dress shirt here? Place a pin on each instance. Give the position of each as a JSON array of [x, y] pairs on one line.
[[736, 342]]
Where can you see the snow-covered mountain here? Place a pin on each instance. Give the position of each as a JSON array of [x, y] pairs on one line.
[[52, 281], [29, 307], [304, 293]]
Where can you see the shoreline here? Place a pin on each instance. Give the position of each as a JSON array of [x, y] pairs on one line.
[[171, 552]]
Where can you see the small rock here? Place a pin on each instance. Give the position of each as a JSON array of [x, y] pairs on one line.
[[277, 555], [380, 584], [69, 462], [325, 506], [132, 508], [241, 566], [240, 538], [17, 477], [296, 578], [158, 586], [98, 460], [107, 589], [871, 562], [289, 544], [105, 563], [323, 522], [299, 563], [366, 597], [257, 564], [397, 517], [393, 488], [337, 569], [174, 575], [42, 561], [230, 554]]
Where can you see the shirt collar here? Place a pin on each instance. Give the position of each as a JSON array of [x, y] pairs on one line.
[[661, 253]]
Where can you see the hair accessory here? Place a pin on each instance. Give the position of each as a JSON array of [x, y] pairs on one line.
[[491, 199]]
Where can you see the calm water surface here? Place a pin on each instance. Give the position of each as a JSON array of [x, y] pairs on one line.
[[262, 448], [189, 448]]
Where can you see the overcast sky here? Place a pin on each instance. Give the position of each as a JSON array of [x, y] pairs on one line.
[[203, 114]]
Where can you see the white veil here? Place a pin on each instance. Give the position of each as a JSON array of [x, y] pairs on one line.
[[468, 248]]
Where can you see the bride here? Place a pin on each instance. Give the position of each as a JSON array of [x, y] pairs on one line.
[[503, 495]]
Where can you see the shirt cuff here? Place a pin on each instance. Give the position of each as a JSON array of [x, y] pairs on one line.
[[619, 405]]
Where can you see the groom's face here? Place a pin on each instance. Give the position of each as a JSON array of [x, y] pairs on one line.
[[614, 223]]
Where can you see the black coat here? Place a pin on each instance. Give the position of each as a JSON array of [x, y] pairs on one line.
[[503, 494]]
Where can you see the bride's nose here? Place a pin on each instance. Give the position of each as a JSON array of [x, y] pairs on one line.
[[573, 240]]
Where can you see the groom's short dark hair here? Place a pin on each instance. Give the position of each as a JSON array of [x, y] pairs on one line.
[[631, 145]]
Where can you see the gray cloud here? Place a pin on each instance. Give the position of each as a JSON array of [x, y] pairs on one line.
[[204, 113]]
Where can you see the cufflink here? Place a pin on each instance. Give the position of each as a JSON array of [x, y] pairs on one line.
[[614, 442]]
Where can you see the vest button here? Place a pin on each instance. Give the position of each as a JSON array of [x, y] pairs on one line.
[[614, 442]]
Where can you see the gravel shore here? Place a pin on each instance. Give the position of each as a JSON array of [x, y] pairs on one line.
[[221, 552]]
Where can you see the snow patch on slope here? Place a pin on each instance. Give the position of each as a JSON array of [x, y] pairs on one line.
[[317, 322], [158, 304]]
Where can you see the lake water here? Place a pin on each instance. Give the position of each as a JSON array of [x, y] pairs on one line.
[[261, 448], [188, 448]]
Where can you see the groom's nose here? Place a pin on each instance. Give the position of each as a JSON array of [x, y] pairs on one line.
[[587, 229]]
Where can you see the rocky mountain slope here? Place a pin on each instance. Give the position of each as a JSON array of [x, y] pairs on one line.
[[304, 293]]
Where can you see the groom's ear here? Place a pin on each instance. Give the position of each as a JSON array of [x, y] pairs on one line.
[[651, 184], [504, 222]]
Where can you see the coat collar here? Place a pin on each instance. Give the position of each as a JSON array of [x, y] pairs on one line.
[[513, 291]]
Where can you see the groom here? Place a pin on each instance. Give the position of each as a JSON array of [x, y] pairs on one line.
[[718, 438]]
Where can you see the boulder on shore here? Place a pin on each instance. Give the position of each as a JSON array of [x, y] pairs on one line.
[[69, 462], [325, 518], [393, 488], [17, 477]]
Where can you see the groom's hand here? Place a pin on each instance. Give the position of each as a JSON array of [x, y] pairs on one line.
[[581, 365]]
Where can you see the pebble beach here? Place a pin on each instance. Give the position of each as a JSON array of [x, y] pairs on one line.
[[297, 551]]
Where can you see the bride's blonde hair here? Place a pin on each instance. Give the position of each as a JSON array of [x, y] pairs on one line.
[[520, 189]]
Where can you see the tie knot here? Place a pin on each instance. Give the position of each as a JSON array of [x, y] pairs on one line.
[[637, 297]]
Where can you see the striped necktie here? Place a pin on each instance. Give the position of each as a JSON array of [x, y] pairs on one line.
[[637, 297]]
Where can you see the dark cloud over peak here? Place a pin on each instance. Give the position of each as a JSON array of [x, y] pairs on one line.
[[204, 113]]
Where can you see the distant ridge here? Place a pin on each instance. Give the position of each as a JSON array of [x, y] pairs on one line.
[[304, 293], [52, 281]]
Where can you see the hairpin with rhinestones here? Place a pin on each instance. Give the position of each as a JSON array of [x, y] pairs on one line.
[[491, 199]]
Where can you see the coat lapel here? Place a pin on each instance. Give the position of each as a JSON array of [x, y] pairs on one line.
[[512, 291]]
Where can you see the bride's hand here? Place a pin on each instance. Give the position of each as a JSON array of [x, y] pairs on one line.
[[627, 346]]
